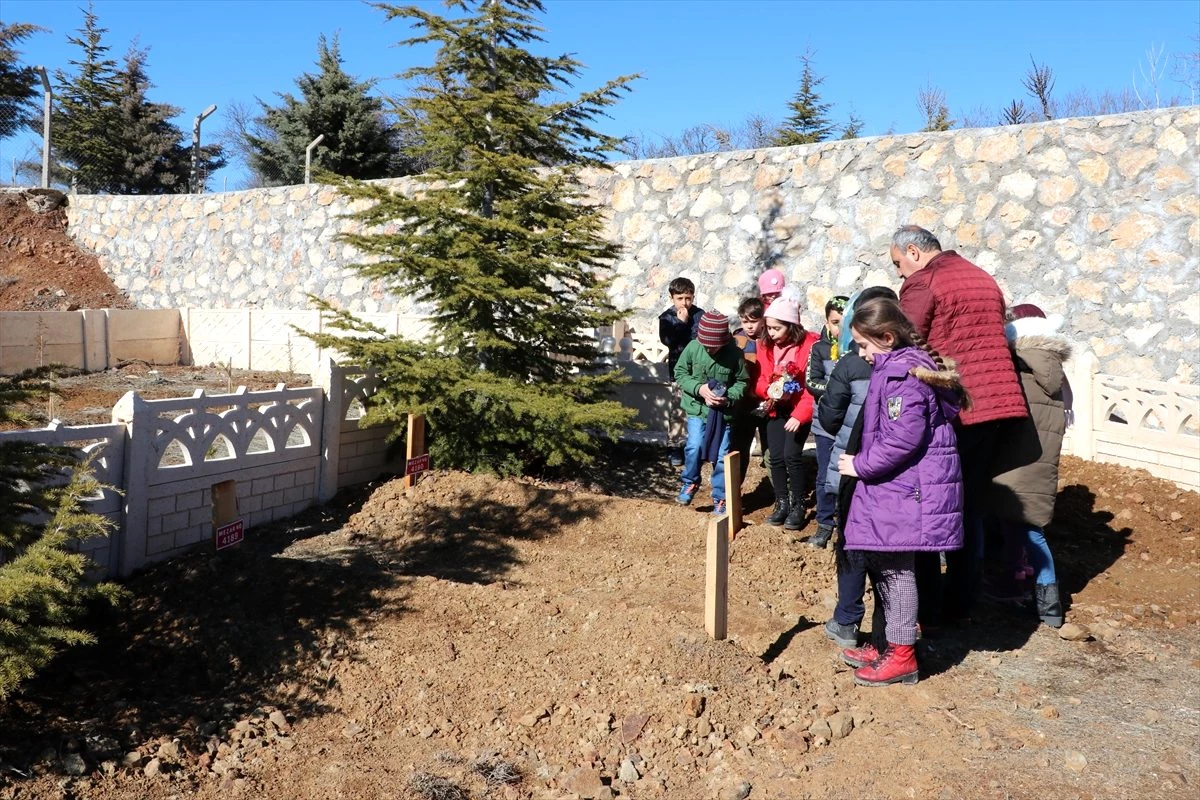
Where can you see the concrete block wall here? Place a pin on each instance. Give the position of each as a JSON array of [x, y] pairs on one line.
[[352, 452], [264, 339], [179, 514], [91, 339], [179, 448], [365, 455]]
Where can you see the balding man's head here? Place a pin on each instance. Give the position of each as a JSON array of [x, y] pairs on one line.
[[912, 248]]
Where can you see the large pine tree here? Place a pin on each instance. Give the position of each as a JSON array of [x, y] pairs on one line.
[[18, 82], [156, 158], [809, 121], [44, 589], [358, 142], [501, 245], [85, 117]]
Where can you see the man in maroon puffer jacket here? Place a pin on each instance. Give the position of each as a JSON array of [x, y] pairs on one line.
[[959, 309]]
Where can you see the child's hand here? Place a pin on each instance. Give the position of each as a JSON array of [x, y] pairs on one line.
[[792, 425], [683, 313], [846, 465]]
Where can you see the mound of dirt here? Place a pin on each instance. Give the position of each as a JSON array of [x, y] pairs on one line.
[[481, 638], [44, 269]]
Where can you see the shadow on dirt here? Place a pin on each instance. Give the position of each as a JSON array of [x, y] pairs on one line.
[[781, 643], [469, 539], [1084, 545], [1082, 539], [625, 469], [202, 641]]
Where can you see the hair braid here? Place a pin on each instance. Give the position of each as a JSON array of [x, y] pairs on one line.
[[919, 341]]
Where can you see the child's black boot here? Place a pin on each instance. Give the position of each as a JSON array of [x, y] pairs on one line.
[[780, 514], [795, 517]]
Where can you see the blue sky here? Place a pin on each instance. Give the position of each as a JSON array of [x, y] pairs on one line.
[[715, 61]]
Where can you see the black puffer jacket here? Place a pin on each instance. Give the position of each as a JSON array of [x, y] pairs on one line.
[[840, 406], [817, 374]]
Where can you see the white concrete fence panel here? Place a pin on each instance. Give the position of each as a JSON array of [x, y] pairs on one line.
[[286, 449]]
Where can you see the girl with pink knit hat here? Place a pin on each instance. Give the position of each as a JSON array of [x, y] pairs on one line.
[[783, 356], [770, 285]]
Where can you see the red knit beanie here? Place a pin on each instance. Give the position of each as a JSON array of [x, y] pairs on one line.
[[1027, 310], [714, 330]]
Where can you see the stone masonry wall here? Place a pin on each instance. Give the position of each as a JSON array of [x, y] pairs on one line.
[[1097, 218]]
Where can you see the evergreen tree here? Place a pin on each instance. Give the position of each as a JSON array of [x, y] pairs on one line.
[[508, 254], [43, 585], [809, 121], [156, 158], [358, 142], [854, 127], [1014, 113], [932, 102], [86, 114], [18, 82]]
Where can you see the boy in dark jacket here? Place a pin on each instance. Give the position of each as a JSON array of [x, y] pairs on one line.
[[821, 361], [747, 421], [676, 327]]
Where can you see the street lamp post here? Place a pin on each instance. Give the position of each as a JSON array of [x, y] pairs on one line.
[[46, 94], [308, 157], [195, 177]]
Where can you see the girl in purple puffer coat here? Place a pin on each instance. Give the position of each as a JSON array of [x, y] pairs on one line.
[[909, 496]]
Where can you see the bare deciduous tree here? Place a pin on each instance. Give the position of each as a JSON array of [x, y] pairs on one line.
[[756, 132], [1152, 71], [978, 117], [1186, 71], [931, 100]]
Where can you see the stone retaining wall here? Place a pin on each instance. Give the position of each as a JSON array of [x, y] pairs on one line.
[[1097, 218]]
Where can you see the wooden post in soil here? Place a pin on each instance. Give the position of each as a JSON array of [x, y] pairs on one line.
[[733, 492], [716, 578], [416, 444]]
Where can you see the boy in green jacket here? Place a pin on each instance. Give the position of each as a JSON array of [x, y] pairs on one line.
[[711, 375]]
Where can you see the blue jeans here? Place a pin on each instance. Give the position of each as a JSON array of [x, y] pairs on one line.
[[1039, 555], [691, 457], [826, 500]]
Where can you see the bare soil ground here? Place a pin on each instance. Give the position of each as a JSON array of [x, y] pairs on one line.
[[484, 638], [41, 266]]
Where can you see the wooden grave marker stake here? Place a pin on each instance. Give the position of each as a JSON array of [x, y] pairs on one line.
[[733, 492], [416, 444], [716, 579]]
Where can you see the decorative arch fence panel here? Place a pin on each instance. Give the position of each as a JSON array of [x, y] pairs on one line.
[[285, 449]]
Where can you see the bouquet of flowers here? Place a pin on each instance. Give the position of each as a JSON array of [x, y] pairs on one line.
[[783, 387]]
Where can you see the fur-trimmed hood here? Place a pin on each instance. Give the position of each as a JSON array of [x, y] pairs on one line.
[[952, 395], [944, 381], [1040, 349], [1037, 333], [946, 378]]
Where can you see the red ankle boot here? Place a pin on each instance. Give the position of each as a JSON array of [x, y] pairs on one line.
[[861, 656], [898, 665]]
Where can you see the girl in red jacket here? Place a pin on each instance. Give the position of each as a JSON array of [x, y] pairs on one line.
[[783, 357]]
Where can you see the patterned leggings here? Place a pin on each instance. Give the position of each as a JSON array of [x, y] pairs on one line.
[[897, 590]]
